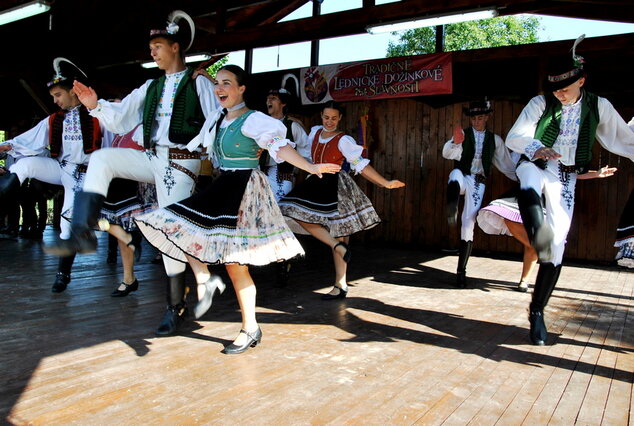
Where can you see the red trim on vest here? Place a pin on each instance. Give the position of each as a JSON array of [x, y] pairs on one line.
[[56, 143], [327, 152]]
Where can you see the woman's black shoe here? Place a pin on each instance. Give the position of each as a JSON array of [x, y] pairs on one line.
[[252, 341], [127, 290], [341, 295], [347, 255]]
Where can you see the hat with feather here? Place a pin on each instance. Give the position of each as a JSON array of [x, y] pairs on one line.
[[564, 71], [482, 107], [65, 73], [174, 32]]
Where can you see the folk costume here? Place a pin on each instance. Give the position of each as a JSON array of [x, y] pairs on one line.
[[236, 219], [625, 235], [570, 130], [473, 160], [171, 110], [334, 201], [73, 136]]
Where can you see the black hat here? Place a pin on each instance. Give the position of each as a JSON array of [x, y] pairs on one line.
[[564, 71], [66, 76], [478, 108], [283, 95], [173, 31]]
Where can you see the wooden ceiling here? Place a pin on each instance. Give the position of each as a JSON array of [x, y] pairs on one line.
[[108, 39]]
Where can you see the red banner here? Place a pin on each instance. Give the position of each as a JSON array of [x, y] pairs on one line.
[[379, 79]]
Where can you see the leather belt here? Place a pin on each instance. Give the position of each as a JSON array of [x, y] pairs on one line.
[[567, 169], [179, 154], [185, 170]]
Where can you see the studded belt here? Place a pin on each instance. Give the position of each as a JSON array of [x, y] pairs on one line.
[[567, 169]]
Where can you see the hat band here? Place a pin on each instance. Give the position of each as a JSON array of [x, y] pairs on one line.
[[55, 81], [564, 76]]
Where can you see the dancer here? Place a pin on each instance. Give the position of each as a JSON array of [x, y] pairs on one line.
[[554, 133], [235, 221], [502, 217], [625, 235], [333, 208], [73, 136], [172, 110], [474, 150], [281, 176]]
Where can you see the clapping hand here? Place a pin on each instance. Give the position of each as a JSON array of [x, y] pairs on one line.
[[86, 95]]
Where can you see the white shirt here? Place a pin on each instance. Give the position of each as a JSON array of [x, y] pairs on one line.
[[612, 132], [300, 138], [122, 117]]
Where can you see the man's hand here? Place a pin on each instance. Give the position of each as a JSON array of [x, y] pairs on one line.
[[546, 154], [458, 135], [86, 95], [6, 147]]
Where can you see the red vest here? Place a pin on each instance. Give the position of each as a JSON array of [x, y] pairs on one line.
[[327, 152], [90, 131]]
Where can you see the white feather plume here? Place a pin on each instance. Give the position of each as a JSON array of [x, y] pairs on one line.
[[578, 60], [172, 24], [294, 78], [57, 69]]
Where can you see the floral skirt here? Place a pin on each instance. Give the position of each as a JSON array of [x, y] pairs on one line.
[[126, 199], [234, 220], [625, 235], [335, 201]]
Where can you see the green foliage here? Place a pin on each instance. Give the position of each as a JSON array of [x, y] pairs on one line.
[[495, 32], [213, 69]]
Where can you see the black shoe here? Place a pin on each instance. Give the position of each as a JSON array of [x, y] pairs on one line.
[[85, 243], [538, 328], [172, 319], [129, 288], [347, 255], [461, 279], [252, 341], [61, 282], [213, 284], [341, 295]]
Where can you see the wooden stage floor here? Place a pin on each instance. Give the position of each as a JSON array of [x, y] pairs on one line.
[[404, 348]]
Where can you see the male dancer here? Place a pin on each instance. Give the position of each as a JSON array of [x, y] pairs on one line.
[[280, 176], [73, 136], [172, 110], [474, 150], [555, 133]]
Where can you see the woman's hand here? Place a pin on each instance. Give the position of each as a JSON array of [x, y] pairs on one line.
[[393, 184], [321, 168], [603, 172], [546, 154], [86, 95]]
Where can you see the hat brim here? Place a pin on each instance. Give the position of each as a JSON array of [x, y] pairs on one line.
[[472, 113], [552, 86]]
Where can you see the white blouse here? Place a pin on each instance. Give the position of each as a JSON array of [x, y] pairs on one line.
[[348, 147]]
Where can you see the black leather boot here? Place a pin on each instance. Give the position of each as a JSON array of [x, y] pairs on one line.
[[176, 306], [547, 277], [63, 274], [85, 214], [453, 197], [539, 232], [9, 185], [463, 257]]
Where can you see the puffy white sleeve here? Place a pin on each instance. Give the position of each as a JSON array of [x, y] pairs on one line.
[[302, 143], [206, 95], [521, 136], [32, 142], [352, 152], [613, 133], [452, 151], [503, 160], [268, 132], [122, 117]]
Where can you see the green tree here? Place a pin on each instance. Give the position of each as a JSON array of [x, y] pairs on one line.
[[213, 68], [503, 31]]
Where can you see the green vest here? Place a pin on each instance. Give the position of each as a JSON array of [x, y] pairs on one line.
[[548, 127], [468, 152], [232, 149], [187, 114]]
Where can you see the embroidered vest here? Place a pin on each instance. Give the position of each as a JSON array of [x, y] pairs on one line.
[[548, 128], [327, 152], [90, 131], [187, 114], [284, 169], [232, 149], [468, 152]]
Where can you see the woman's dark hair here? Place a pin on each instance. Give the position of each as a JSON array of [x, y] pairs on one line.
[[332, 105], [242, 76]]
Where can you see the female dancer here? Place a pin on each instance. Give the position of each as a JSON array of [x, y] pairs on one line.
[[502, 217], [236, 220], [333, 208]]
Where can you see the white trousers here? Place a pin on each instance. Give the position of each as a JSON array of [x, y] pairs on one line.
[[559, 191], [172, 185], [280, 189], [52, 171], [473, 193]]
